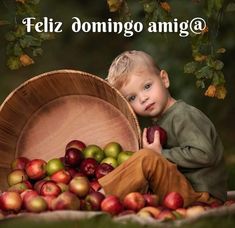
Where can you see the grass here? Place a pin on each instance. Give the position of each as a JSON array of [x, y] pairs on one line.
[[104, 221]]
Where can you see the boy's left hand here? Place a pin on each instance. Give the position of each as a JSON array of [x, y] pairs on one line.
[[155, 145]]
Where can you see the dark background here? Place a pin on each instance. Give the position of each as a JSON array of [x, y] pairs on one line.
[[93, 53]]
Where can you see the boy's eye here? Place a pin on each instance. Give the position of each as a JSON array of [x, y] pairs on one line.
[[131, 98], [147, 86]]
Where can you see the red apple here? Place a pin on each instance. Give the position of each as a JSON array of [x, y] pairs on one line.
[[36, 169], [16, 176], [36, 204], [103, 169], [53, 166], [112, 205], [150, 134], [49, 200], [10, 201], [95, 185], [61, 176], [66, 201], [37, 186], [50, 188], [93, 201], [173, 200], [28, 193], [77, 144], [88, 167], [71, 171], [151, 199], [79, 186], [166, 215], [25, 195], [73, 157], [19, 163], [134, 201]]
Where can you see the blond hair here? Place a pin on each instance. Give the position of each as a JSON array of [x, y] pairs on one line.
[[124, 63]]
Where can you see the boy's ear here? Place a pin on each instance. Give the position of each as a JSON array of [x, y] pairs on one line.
[[165, 78]]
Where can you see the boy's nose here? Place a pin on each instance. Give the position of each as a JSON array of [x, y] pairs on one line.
[[143, 99]]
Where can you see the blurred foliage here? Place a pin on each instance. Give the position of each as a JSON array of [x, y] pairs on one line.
[[94, 52], [206, 66], [21, 45]]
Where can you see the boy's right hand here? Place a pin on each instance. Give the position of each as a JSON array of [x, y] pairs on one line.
[[155, 145]]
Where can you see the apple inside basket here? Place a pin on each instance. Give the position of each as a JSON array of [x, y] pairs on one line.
[[42, 115]]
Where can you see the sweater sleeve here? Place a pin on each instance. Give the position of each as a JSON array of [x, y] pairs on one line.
[[195, 136]]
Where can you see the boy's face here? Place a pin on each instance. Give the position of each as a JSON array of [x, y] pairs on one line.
[[147, 92]]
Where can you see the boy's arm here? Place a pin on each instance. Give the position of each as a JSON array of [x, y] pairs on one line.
[[198, 144]]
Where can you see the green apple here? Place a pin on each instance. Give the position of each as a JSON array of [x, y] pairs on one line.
[[54, 165], [93, 151], [123, 156], [112, 149], [111, 161]]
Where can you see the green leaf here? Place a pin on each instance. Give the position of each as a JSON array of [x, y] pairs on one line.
[[29, 41], [13, 63], [218, 78], [204, 72], [190, 68]]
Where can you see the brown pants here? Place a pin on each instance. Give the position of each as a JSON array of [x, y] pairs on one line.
[[148, 169]]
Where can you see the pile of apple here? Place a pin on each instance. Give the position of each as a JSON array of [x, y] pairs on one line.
[[71, 183], [66, 183]]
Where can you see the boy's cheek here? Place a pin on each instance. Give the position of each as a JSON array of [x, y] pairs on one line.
[[134, 108]]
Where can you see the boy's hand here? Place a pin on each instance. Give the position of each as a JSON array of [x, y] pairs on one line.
[[156, 145]]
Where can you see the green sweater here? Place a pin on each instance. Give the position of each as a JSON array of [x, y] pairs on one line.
[[194, 145]]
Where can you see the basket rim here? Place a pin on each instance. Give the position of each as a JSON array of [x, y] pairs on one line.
[[60, 71]]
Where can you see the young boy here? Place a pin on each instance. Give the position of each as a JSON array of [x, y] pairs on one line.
[[192, 161]]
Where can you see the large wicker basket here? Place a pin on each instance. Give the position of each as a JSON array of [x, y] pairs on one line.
[[42, 115]]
